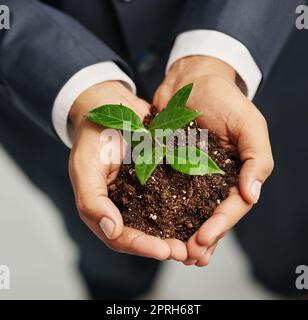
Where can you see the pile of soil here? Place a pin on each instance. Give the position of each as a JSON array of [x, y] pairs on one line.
[[172, 204]]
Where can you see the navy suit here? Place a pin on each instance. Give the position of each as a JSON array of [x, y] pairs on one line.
[[49, 42]]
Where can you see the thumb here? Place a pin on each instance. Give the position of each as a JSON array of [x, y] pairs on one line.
[[255, 153], [94, 205], [89, 179], [106, 215]]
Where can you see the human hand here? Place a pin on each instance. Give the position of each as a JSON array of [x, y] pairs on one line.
[[90, 177], [238, 124]]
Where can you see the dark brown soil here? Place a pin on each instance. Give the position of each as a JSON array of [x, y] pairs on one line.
[[172, 204]]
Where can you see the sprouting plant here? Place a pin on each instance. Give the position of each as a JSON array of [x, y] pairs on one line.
[[175, 116]]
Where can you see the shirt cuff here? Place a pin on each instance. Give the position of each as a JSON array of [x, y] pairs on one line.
[[78, 83], [222, 46]]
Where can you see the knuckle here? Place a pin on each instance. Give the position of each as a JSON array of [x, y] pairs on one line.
[[269, 167], [263, 120], [83, 206], [208, 240], [271, 164]]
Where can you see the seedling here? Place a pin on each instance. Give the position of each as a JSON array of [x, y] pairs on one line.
[[175, 116]]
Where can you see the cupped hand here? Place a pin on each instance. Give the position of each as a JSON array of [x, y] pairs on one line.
[[217, 93], [90, 176]]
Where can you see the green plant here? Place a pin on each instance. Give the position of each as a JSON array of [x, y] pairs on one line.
[[175, 116]]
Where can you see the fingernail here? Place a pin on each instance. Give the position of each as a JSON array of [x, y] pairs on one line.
[[107, 225], [255, 190]]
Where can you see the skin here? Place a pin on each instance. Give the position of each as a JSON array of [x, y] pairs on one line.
[[220, 95], [90, 177]]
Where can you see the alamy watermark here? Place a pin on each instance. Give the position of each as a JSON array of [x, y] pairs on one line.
[[301, 21], [142, 147], [4, 17], [4, 277], [301, 281]]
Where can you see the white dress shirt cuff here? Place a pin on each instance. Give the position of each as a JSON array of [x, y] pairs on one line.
[[222, 46], [78, 83]]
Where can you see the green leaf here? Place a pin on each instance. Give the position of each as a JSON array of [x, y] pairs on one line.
[[115, 116], [150, 161], [192, 161], [176, 115], [181, 97], [173, 118]]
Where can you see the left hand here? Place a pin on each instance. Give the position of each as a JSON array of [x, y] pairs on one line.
[[217, 92]]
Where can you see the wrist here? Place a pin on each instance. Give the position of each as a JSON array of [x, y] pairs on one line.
[[193, 67]]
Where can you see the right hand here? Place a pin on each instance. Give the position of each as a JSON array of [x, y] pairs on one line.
[[90, 177]]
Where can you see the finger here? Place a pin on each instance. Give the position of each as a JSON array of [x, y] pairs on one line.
[[139, 243], [205, 259], [178, 250], [255, 152], [189, 262], [226, 215], [102, 211], [194, 249], [133, 241]]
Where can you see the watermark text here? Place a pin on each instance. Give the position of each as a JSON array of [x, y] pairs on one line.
[[301, 21], [4, 277], [4, 17]]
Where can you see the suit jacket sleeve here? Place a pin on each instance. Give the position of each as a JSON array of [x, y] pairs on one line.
[[40, 52], [263, 26]]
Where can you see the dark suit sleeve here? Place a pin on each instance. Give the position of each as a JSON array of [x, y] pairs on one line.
[[263, 26], [40, 52]]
